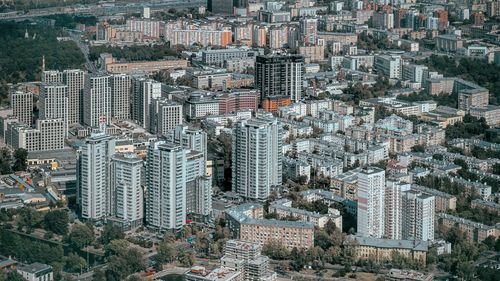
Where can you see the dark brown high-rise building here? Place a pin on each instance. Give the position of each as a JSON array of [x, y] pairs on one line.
[[220, 6], [279, 76]]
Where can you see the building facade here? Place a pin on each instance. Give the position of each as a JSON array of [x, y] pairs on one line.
[[127, 199], [257, 157], [93, 176], [166, 186], [279, 76], [371, 197]]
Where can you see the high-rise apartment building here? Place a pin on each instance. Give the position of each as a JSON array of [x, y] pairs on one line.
[[198, 184], [53, 102], [75, 80], [144, 92], [388, 65], [383, 20], [308, 30], [199, 196], [47, 136], [52, 76], [279, 76], [52, 134], [257, 157], [418, 216], [189, 138], [126, 191], [97, 100], [165, 115], [220, 6], [166, 186], [394, 208], [371, 197], [121, 85], [93, 176], [22, 106], [414, 72], [148, 27]]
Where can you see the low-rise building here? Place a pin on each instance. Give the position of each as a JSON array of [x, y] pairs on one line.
[[449, 43], [283, 208], [200, 273], [474, 231], [443, 201], [113, 66], [36, 272], [382, 250], [246, 222], [490, 113], [487, 205]]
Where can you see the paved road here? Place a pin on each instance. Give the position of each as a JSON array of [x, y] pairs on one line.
[[75, 37], [100, 9]]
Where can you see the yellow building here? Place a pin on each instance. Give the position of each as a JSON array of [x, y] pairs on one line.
[[246, 222], [383, 250]]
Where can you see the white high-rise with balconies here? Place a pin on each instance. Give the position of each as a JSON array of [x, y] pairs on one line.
[[166, 186], [257, 157], [126, 191], [394, 208], [418, 216], [121, 85], [93, 176], [144, 92], [53, 102], [198, 184], [97, 100], [22, 106], [371, 201], [165, 115], [75, 80]]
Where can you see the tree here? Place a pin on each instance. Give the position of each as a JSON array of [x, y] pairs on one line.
[[120, 266], [418, 148], [80, 236], [275, 250], [202, 243], [111, 232], [20, 159], [5, 161], [135, 278], [184, 81], [28, 219], [116, 247], [166, 253], [465, 270], [57, 221], [461, 163], [490, 242], [187, 259], [14, 276], [298, 259], [74, 263]]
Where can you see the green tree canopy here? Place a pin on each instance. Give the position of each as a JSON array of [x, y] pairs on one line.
[[111, 232], [20, 159], [80, 236], [57, 221]]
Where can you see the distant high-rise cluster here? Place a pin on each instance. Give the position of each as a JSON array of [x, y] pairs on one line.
[[390, 209]]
